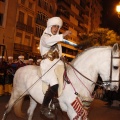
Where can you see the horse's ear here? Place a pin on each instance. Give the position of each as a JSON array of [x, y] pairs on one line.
[[115, 47]]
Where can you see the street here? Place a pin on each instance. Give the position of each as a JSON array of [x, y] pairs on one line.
[[98, 111]]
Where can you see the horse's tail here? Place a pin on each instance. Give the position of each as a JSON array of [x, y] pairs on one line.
[[18, 108]]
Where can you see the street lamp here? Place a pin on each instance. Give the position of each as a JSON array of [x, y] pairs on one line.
[[118, 9]]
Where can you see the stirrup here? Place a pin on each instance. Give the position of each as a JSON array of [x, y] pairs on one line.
[[47, 112]]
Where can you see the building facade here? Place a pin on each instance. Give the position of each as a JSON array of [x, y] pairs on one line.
[[7, 24], [22, 25]]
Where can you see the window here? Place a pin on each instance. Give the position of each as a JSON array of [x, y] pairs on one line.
[[2, 0], [51, 9], [30, 5], [27, 40], [41, 18], [1, 19], [39, 31], [23, 1], [21, 17], [29, 21], [18, 38], [39, 3], [46, 5]]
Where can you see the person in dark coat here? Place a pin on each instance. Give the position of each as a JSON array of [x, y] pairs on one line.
[[9, 76], [3, 72]]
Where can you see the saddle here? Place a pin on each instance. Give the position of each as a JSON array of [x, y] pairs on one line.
[[59, 71]]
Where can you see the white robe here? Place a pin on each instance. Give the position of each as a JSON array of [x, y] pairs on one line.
[[47, 66]]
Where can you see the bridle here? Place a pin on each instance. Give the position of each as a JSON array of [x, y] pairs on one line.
[[108, 82], [102, 83]]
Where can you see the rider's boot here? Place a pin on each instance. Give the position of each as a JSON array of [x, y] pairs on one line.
[[49, 95]]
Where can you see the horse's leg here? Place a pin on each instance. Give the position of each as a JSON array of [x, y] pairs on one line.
[[31, 108], [71, 113], [15, 101], [11, 103]]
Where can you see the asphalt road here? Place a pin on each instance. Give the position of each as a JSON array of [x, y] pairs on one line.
[[98, 111]]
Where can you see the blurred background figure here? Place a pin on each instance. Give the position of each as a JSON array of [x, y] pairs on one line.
[[20, 62], [21, 58], [9, 76], [30, 61], [10, 59], [99, 93], [38, 62], [3, 71]]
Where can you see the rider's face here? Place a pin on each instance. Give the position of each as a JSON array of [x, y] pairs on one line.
[[54, 29]]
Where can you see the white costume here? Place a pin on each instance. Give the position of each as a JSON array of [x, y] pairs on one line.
[[21, 58], [46, 42]]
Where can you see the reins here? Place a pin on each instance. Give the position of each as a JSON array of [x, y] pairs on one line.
[[79, 79], [99, 84], [82, 74]]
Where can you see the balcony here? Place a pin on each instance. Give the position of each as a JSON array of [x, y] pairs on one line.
[[43, 5], [29, 29], [21, 26], [21, 47], [66, 2], [41, 22], [24, 27]]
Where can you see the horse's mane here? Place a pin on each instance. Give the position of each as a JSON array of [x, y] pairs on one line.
[[84, 51]]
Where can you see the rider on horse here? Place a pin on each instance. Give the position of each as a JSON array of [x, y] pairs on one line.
[[51, 53]]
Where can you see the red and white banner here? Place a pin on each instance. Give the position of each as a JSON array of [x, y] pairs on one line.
[[78, 107]]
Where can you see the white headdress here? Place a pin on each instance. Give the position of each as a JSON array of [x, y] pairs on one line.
[[39, 60], [53, 21], [30, 59], [10, 58], [2, 57], [21, 57]]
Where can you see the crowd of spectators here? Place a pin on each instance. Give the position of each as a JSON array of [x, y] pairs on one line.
[[8, 67]]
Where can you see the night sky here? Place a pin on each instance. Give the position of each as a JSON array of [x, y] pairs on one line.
[[109, 15]]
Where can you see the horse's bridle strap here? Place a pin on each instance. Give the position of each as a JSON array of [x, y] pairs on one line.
[[116, 57], [82, 74], [112, 81], [111, 69]]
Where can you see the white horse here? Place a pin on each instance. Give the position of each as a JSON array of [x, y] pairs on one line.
[[82, 73]]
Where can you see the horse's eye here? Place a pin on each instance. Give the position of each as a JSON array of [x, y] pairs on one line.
[[115, 67]]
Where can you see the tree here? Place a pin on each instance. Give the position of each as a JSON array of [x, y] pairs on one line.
[[99, 37]]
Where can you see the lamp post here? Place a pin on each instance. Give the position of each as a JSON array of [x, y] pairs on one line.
[[118, 9]]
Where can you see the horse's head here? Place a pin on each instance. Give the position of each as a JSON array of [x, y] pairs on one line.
[[110, 77]]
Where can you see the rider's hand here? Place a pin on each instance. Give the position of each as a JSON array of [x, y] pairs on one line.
[[63, 58], [68, 32]]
